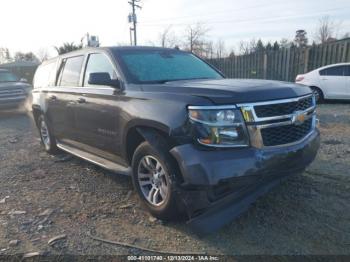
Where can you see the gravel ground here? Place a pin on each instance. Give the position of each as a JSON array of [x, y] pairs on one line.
[[44, 196]]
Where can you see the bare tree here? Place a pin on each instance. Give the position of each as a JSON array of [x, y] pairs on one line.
[[208, 50], [195, 38], [167, 38], [220, 49], [4, 55], [244, 47], [42, 54], [253, 45], [326, 30]]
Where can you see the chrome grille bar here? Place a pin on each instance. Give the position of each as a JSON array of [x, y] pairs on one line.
[[255, 124]]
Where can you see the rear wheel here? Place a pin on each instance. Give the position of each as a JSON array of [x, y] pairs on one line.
[[153, 179], [47, 138]]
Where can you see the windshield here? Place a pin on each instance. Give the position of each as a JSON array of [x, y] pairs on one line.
[[7, 77], [149, 66]]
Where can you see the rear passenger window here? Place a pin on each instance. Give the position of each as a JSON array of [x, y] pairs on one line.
[[70, 74], [333, 71], [98, 63]]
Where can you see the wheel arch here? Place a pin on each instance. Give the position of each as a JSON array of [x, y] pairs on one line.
[[37, 112], [318, 88], [140, 133]]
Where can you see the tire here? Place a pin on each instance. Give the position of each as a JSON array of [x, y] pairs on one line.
[[47, 138], [318, 94], [154, 180]]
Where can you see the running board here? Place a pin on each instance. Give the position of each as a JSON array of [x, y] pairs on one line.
[[102, 162]]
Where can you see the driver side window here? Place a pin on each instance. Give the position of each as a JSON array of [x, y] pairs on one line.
[[98, 63]]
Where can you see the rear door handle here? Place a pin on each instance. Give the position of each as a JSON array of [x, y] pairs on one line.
[[81, 100]]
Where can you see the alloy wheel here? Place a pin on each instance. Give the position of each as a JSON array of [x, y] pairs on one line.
[[153, 180]]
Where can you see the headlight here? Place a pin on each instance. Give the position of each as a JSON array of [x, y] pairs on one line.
[[220, 126]]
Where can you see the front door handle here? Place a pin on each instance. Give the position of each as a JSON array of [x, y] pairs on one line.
[[81, 100]]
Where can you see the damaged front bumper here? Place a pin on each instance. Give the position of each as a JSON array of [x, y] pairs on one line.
[[225, 182]]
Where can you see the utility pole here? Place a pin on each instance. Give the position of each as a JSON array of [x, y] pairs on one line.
[[132, 17]]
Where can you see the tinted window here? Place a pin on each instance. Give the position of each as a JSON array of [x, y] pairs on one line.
[[147, 66], [347, 71], [45, 75], [98, 63], [8, 77], [71, 71], [333, 71]]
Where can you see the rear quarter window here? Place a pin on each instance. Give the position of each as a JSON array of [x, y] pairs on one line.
[[45, 75]]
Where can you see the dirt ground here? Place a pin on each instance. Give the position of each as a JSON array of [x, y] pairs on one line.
[[44, 196]]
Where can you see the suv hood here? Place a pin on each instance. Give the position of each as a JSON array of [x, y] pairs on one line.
[[224, 91]]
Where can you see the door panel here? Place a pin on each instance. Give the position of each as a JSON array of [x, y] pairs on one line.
[[97, 111], [60, 113], [334, 86], [59, 99], [97, 122]]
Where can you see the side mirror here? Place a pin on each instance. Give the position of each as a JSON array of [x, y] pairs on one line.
[[104, 79], [23, 80]]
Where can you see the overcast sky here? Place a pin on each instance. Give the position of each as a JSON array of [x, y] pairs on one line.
[[29, 25]]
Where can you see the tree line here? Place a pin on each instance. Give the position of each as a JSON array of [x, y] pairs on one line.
[[196, 39], [38, 57]]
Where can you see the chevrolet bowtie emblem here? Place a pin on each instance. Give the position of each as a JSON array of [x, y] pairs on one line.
[[298, 118]]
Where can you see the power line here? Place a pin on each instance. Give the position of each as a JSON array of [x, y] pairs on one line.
[[261, 19]]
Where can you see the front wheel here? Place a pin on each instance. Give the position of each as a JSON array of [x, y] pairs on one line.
[[153, 178], [318, 94]]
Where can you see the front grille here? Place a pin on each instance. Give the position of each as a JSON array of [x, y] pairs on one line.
[[280, 135], [283, 108], [11, 93]]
